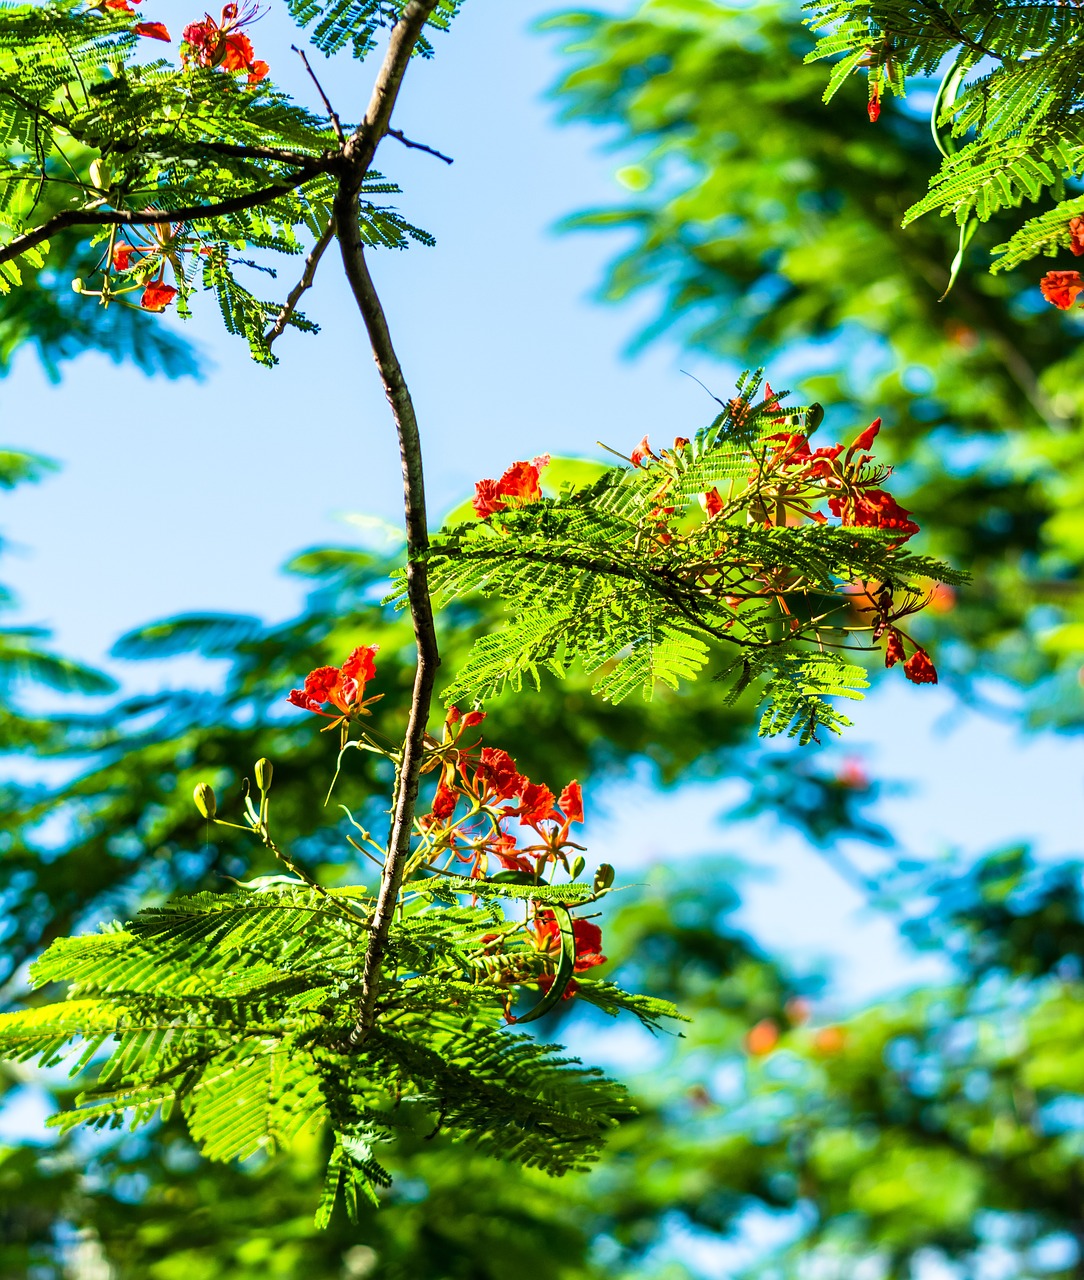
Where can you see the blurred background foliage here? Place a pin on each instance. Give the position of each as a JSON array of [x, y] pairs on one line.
[[941, 1133]]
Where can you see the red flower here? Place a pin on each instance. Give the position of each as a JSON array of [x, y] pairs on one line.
[[157, 296], [894, 650], [224, 45], [712, 502], [535, 803], [122, 256], [919, 669], [519, 484], [873, 509], [643, 450], [444, 801], [874, 107], [521, 480], [571, 802], [1076, 235], [361, 664], [498, 769], [1061, 288], [473, 718], [586, 936], [487, 498], [864, 442], [153, 30], [122, 6], [343, 687]]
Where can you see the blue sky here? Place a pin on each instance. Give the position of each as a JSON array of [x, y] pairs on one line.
[[190, 495]]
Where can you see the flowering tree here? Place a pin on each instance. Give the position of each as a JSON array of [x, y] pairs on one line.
[[287, 1004]]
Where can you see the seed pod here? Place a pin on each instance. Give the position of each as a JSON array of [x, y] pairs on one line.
[[264, 772], [578, 864], [204, 796], [604, 877], [814, 416]]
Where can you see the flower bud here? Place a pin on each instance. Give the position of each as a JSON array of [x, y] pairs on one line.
[[604, 877], [578, 864], [264, 773], [204, 796], [472, 718], [99, 173], [814, 416], [77, 285]]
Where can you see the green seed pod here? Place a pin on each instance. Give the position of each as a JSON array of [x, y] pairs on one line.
[[604, 877], [814, 416], [204, 796], [578, 864], [264, 772]]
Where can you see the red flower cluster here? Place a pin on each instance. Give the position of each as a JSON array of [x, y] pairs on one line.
[[342, 688], [854, 497], [1062, 287], [495, 795], [1076, 235], [164, 243], [518, 486], [223, 44]]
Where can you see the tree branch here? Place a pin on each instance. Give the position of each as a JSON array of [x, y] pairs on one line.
[[359, 151], [399, 136], [151, 217], [421, 613], [307, 277]]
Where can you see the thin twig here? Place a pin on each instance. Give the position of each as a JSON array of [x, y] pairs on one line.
[[418, 146], [332, 113], [98, 217], [307, 277]]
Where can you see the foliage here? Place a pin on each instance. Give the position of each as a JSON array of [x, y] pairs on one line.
[[634, 575], [285, 1006], [766, 226], [1009, 86]]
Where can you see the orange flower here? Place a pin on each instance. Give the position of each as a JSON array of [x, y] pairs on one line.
[[153, 30], [873, 509], [341, 687], [643, 450], [518, 486], [497, 772], [157, 296], [919, 669], [1061, 288], [712, 502], [122, 256], [830, 1040], [762, 1038], [894, 650], [224, 45], [1076, 235]]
